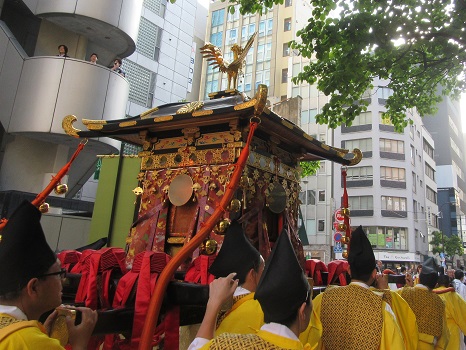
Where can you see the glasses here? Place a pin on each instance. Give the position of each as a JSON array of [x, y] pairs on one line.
[[61, 273]]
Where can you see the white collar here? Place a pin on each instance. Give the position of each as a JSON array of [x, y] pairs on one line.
[[279, 329], [361, 284], [13, 311], [240, 291]]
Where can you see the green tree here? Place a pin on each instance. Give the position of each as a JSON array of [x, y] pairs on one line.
[[437, 242], [309, 168], [416, 45], [453, 245]]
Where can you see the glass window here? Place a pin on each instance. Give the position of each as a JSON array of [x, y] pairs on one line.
[[288, 3], [393, 203], [284, 75], [430, 172], [363, 119], [392, 146], [287, 24], [252, 29], [218, 17], [269, 26], [321, 225], [360, 203], [365, 145], [261, 29], [311, 197], [392, 174], [321, 195], [384, 92], [286, 50], [359, 173], [304, 116]]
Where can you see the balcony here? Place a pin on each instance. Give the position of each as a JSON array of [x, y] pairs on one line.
[[50, 88], [111, 24]]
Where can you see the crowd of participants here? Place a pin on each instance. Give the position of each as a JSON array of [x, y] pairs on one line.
[[252, 304]]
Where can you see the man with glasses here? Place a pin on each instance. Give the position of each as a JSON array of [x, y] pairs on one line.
[[30, 285]]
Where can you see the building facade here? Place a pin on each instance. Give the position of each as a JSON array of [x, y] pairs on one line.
[[446, 129], [158, 44], [392, 191]]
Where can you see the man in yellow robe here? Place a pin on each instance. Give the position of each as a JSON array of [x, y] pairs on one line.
[[284, 295], [455, 313], [353, 317], [30, 285], [428, 308], [239, 255], [404, 315]]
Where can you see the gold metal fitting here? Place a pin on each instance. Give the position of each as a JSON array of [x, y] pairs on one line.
[[222, 226], [345, 254], [61, 189], [345, 211], [209, 247], [235, 205], [341, 226], [44, 208], [138, 191]]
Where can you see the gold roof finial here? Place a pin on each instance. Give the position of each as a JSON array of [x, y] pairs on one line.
[[214, 56]]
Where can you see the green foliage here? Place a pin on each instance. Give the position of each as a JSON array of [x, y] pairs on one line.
[[309, 168], [436, 242], [415, 45], [452, 244], [251, 6]]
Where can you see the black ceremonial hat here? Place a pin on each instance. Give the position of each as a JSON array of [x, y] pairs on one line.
[[283, 287], [24, 252], [429, 267], [361, 256], [237, 254]]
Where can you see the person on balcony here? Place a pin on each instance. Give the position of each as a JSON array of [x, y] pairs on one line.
[[93, 58], [117, 67], [30, 285], [62, 51]]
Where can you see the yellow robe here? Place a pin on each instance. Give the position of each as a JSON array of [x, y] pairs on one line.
[[391, 336], [405, 318], [428, 310], [244, 317], [261, 340], [32, 337], [455, 312]]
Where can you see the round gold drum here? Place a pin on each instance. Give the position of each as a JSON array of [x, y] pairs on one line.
[[180, 190], [276, 200]]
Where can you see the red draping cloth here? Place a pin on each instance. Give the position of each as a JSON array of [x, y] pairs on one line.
[[198, 271], [69, 258], [147, 266], [314, 268], [99, 264], [337, 268]]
